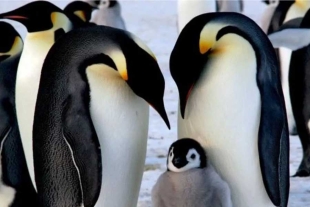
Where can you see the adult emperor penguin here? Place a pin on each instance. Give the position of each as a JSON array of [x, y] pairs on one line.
[[109, 13], [231, 101], [286, 11], [45, 23], [298, 82], [16, 189], [190, 179], [79, 12], [92, 109], [188, 9]]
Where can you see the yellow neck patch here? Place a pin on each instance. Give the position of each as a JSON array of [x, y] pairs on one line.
[[60, 20], [208, 36], [120, 61], [81, 15]]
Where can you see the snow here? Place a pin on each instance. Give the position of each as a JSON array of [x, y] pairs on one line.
[[155, 22]]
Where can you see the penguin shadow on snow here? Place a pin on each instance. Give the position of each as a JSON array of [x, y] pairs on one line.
[[190, 179]]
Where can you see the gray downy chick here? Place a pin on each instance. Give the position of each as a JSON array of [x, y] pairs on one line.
[[109, 13], [190, 180]]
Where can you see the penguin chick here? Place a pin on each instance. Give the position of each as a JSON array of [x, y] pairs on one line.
[[190, 181], [109, 13], [79, 13]]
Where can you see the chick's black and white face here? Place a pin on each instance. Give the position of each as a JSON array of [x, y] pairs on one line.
[[105, 3], [185, 154], [179, 161]]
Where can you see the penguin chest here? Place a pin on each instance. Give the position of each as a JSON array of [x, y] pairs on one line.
[[223, 114], [120, 119], [27, 84]]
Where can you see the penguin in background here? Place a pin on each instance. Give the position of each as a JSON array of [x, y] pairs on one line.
[[91, 118], [268, 14], [287, 11], [109, 13], [190, 179], [16, 189], [298, 81], [45, 23], [232, 103], [188, 9], [79, 12]]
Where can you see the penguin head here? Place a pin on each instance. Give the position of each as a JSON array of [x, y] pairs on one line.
[[102, 4], [11, 43], [202, 41], [186, 154], [39, 16], [141, 71], [80, 9]]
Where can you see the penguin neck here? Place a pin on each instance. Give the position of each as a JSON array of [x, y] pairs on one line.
[[120, 119], [47, 37]]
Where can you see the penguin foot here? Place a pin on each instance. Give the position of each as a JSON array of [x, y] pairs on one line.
[[304, 167]]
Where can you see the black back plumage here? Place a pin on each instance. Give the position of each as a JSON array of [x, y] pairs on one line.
[[14, 168]]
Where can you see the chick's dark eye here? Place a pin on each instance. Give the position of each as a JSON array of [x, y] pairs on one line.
[[193, 156], [170, 154]]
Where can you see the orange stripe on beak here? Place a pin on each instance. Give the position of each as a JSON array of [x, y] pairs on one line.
[[15, 17]]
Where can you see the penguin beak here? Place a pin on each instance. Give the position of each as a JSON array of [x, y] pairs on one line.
[[17, 15], [184, 95], [13, 17], [151, 90]]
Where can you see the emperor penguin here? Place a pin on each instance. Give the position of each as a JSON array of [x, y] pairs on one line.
[[79, 12], [188, 9], [287, 11], [91, 119], [109, 13], [16, 189], [232, 103], [45, 23], [190, 180], [298, 81]]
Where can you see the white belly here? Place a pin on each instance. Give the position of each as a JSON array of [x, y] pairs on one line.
[[188, 9], [223, 114], [285, 59], [27, 84], [121, 122]]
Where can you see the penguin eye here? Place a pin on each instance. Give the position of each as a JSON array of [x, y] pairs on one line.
[[193, 156], [170, 154]]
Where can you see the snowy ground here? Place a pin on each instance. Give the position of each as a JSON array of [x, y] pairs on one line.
[[155, 23]]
